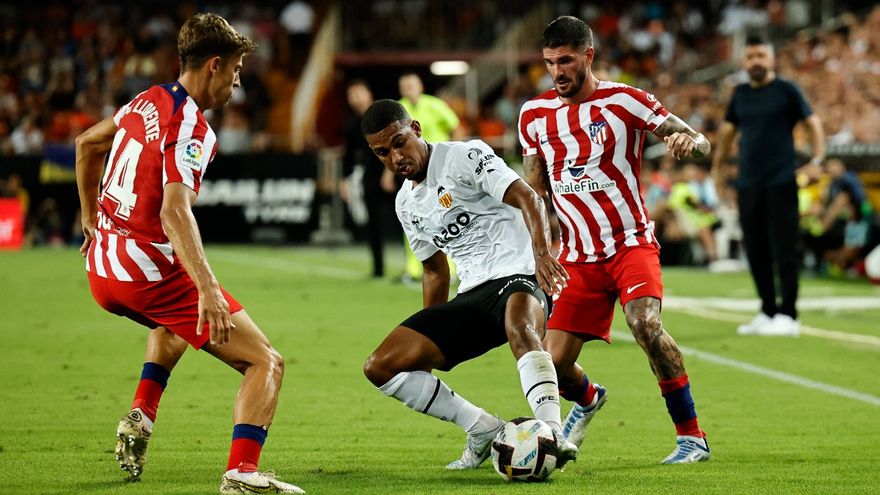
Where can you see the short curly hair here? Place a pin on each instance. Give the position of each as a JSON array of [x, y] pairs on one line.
[[209, 35], [381, 114]]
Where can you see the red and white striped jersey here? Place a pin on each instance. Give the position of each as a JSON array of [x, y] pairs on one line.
[[162, 137], [593, 152]]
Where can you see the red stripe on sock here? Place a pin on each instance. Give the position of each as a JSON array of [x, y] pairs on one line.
[[690, 427], [244, 455], [147, 396], [667, 386], [589, 394]]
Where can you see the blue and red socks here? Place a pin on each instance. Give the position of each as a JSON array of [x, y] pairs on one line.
[[247, 443], [582, 394], [680, 405], [154, 378]]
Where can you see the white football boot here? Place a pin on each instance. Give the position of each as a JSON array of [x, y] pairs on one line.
[[565, 450], [689, 449], [235, 482], [132, 435], [575, 425], [477, 448]]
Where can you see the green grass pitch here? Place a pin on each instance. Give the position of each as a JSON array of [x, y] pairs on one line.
[[69, 371]]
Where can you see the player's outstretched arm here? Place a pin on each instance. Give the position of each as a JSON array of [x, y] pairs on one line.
[[435, 280], [549, 272], [91, 146], [183, 231], [681, 140]]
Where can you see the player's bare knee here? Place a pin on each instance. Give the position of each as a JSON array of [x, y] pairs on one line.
[[644, 327], [376, 370], [276, 362], [523, 338]]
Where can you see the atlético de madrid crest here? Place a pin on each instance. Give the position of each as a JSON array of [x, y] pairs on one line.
[[444, 197], [598, 132]]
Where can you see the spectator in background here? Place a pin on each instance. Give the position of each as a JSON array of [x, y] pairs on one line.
[[766, 110], [847, 210], [13, 188], [234, 135], [27, 138], [693, 199], [359, 154], [438, 122]]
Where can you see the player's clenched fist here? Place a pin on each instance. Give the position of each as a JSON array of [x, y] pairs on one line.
[[680, 145]]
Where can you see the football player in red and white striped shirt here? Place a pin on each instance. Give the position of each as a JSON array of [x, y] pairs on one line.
[[144, 255], [582, 142]]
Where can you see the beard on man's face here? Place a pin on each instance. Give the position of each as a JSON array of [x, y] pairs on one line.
[[757, 73], [574, 87]]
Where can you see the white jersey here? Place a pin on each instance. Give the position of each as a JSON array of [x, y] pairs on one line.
[[459, 209]]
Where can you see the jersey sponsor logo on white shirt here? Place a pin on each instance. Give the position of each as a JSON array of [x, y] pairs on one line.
[[454, 229], [580, 182]]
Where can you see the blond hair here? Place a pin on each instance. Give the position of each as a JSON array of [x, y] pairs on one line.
[[209, 35]]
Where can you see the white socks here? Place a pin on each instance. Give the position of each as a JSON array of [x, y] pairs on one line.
[[539, 384], [427, 394]]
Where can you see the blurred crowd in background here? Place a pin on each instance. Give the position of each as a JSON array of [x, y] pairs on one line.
[[66, 65]]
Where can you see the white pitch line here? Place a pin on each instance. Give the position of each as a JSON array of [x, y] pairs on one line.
[[767, 372], [714, 314]]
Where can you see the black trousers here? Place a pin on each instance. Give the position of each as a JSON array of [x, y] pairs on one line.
[[375, 236], [769, 219]]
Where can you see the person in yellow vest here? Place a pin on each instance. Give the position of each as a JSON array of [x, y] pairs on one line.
[[438, 123]]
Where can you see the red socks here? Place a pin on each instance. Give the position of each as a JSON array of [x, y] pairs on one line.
[[247, 444], [154, 378]]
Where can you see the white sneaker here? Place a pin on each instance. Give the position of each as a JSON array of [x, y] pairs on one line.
[[575, 424], [781, 326], [752, 327], [255, 482], [688, 450], [132, 435], [477, 448]]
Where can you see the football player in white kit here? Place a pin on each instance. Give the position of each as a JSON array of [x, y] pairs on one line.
[[460, 200]]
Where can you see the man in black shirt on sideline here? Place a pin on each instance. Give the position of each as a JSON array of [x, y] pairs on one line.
[[765, 110], [357, 151]]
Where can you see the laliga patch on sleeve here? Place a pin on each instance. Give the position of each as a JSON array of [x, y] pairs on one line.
[[192, 154]]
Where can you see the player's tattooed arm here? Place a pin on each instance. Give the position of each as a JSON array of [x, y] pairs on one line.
[[435, 280], [536, 175], [681, 140]]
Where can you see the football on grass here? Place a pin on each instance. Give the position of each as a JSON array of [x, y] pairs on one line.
[[524, 450]]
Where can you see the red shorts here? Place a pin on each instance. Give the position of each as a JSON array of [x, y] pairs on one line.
[[172, 302], [586, 305]]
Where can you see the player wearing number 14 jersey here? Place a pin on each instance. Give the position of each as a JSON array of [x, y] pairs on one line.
[[582, 142], [144, 255]]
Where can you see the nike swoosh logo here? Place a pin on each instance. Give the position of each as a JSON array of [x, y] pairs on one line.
[[634, 287]]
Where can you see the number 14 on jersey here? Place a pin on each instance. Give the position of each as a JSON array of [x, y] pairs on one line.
[[118, 182]]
